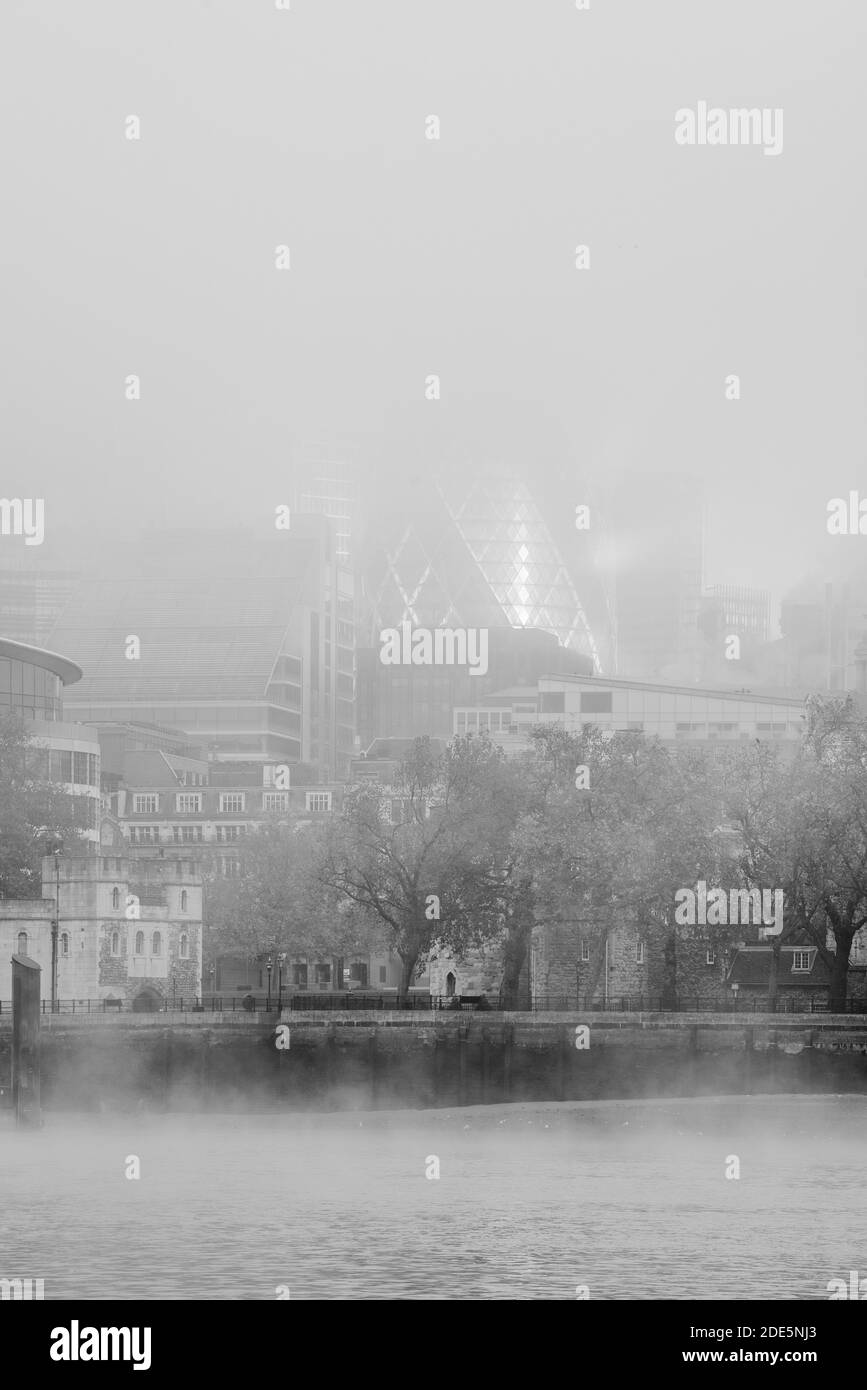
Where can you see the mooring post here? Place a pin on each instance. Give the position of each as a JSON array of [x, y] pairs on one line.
[[371, 1065], [508, 1044], [26, 1102], [462, 1064]]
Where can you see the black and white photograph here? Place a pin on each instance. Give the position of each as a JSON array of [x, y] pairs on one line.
[[433, 669]]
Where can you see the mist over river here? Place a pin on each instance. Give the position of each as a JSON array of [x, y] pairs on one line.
[[629, 1198]]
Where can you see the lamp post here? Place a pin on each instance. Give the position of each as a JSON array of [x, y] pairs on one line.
[[57, 850], [269, 967], [280, 959]]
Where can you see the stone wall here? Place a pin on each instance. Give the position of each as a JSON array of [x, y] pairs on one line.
[[207, 1061]]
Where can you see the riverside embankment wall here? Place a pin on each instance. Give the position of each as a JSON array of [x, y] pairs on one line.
[[196, 1062]]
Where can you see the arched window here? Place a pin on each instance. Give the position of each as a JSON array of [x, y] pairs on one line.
[[115, 897], [139, 943], [185, 946], [115, 943], [183, 900], [22, 943], [157, 944], [64, 943]]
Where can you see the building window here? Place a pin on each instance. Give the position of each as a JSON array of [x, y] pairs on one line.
[[188, 801], [157, 946], [144, 834], [22, 943], [383, 974], [185, 946], [299, 976], [183, 900], [596, 701], [115, 898], [225, 833], [710, 957], [64, 943], [639, 952], [801, 962], [115, 943], [358, 971], [146, 804], [554, 702], [233, 802], [187, 834], [275, 801], [323, 974], [139, 943], [585, 950], [319, 801]]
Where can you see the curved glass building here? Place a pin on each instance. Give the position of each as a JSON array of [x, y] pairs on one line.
[[31, 685], [472, 524]]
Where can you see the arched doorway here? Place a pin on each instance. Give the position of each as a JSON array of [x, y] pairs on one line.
[[147, 1001], [450, 985]]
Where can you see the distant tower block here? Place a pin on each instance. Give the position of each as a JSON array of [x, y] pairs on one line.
[[25, 1041]]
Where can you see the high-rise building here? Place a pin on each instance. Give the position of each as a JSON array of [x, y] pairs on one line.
[[466, 550], [408, 701], [32, 596], [327, 483], [743, 610], [656, 532], [246, 643]]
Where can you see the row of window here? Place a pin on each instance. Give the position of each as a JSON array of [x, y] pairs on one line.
[[598, 702], [156, 944], [496, 720], [800, 959], [115, 899], [57, 765], [184, 834], [504, 721], [322, 974], [231, 803]]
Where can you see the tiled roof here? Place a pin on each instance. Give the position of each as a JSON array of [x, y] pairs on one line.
[[752, 967]]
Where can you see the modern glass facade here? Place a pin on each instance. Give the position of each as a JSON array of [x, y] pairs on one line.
[[476, 552], [30, 690]]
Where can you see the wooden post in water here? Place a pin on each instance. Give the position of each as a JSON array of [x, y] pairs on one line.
[[25, 1041], [462, 1064], [371, 1065]]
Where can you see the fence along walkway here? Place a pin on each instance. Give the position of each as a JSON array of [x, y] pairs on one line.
[[424, 1003]]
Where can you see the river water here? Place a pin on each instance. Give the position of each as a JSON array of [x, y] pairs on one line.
[[627, 1198]]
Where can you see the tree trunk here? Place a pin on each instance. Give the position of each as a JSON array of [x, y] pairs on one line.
[[514, 958], [407, 970]]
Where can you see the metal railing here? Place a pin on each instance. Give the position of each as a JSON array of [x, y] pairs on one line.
[[721, 1004], [356, 1000]]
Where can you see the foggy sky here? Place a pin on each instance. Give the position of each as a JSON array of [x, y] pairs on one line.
[[410, 256]]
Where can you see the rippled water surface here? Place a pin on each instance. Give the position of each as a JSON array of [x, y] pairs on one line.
[[629, 1198]]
